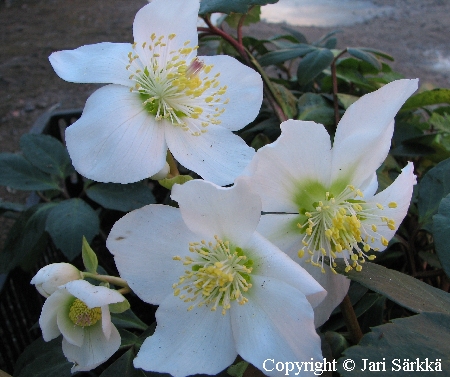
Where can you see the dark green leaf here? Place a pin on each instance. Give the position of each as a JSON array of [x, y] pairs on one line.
[[403, 289], [259, 141], [127, 338], [17, 172], [434, 186], [430, 97], [314, 107], [422, 338], [119, 197], [128, 320], [10, 206], [280, 56], [68, 222], [312, 64], [431, 259], [352, 76], [229, 6], [377, 52], [441, 233], [43, 359], [346, 100], [89, 257], [123, 367], [296, 34], [365, 56], [47, 154], [119, 307], [24, 236]]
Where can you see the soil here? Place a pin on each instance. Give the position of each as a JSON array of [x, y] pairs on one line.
[[31, 30]]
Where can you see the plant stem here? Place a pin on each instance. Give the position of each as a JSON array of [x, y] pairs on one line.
[[335, 86], [107, 279], [350, 320]]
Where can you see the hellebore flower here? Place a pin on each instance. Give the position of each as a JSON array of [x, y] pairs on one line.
[[222, 289], [161, 97], [49, 278], [321, 200], [79, 311]]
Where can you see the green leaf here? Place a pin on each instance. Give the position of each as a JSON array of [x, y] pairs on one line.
[[68, 222], [120, 197], [127, 338], [17, 172], [424, 337], [365, 56], [237, 370], [346, 100], [286, 99], [430, 97], [313, 64], [403, 289], [229, 6], [24, 237], [434, 186], [43, 359], [119, 307], [128, 320], [314, 107], [179, 179], [280, 56], [90, 259], [123, 367], [47, 154], [250, 18], [10, 206], [259, 141], [379, 53], [441, 232]]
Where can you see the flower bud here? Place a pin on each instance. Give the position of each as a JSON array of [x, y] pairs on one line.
[[49, 278]]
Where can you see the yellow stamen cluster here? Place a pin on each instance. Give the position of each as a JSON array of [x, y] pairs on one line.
[[219, 274], [82, 316], [339, 224], [175, 85]]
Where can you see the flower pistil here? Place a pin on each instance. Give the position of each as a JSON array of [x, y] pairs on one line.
[[81, 315], [219, 274], [172, 84]]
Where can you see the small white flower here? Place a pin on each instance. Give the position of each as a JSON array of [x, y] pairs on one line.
[[49, 278], [162, 96], [222, 289], [322, 198], [79, 311]]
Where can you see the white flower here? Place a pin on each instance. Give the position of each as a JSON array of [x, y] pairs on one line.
[[49, 278], [321, 199], [222, 289], [79, 311], [162, 96]]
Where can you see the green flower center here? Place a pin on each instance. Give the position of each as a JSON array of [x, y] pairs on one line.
[[82, 316], [342, 223], [219, 274], [174, 85]]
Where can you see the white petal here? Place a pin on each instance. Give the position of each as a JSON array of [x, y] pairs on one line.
[[230, 213], [271, 262], [281, 230], [276, 323], [143, 243], [302, 154], [187, 342], [72, 333], [244, 90], [336, 286], [95, 350], [116, 140], [218, 155], [93, 296], [49, 313], [103, 63], [106, 322], [363, 136], [165, 17], [400, 192]]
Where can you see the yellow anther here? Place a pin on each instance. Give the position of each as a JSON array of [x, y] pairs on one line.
[[301, 253], [380, 206]]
